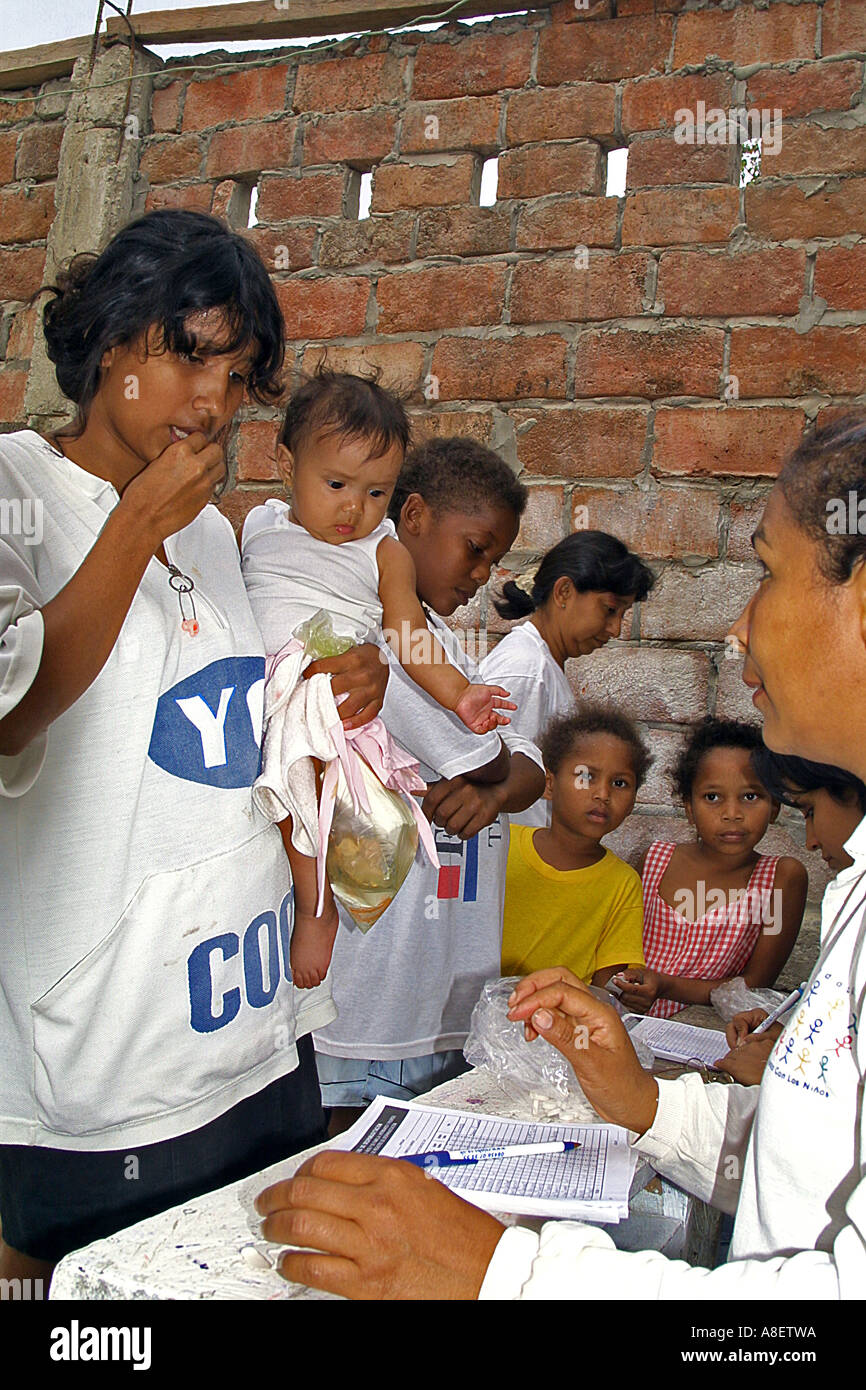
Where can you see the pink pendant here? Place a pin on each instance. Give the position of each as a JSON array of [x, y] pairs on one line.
[[190, 625]]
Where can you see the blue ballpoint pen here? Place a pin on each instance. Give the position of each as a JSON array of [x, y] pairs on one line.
[[445, 1158]]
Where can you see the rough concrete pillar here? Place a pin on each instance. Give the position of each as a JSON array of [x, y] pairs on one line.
[[96, 187]]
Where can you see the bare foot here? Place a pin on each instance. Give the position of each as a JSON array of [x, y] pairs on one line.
[[312, 947]]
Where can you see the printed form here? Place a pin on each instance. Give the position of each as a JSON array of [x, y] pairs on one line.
[[590, 1183]]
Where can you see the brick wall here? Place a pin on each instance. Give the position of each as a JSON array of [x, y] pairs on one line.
[[648, 358]]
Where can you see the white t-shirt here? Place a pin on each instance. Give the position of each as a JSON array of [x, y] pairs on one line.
[[290, 575], [146, 908], [407, 987], [789, 1156], [523, 663]]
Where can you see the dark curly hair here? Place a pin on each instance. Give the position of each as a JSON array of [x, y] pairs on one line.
[[827, 469], [562, 733], [457, 474], [593, 561], [156, 272], [784, 776], [356, 407], [703, 738]]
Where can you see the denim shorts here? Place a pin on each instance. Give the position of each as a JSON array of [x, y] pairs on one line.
[[355, 1081], [53, 1201]]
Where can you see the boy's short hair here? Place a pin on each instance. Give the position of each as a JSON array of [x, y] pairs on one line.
[[457, 475], [356, 407], [561, 734]]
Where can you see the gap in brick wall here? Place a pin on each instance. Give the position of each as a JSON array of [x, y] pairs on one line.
[[252, 218], [365, 196], [750, 160], [489, 183], [617, 167]]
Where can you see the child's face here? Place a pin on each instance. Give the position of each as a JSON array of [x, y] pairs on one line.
[[729, 807], [594, 788], [455, 551], [829, 823], [588, 620], [339, 493]]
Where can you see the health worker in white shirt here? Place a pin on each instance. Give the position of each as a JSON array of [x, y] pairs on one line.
[[788, 1157]]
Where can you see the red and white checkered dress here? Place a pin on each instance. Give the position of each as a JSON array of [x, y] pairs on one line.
[[716, 946]]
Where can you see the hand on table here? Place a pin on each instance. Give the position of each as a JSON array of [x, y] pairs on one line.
[[557, 1006], [462, 807], [362, 676], [746, 1062], [640, 988], [376, 1228]]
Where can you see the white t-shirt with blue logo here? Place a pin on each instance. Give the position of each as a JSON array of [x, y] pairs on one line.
[[146, 909]]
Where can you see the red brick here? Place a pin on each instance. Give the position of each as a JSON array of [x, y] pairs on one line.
[[349, 84], [665, 522], [493, 369], [625, 7], [188, 195], [359, 136], [655, 218], [701, 605], [237, 96], [21, 272], [11, 112], [468, 123], [844, 27], [840, 276], [609, 286], [541, 525], [400, 365], [20, 345], [26, 217], [327, 308], [745, 520], [747, 34], [386, 240], [781, 211], [581, 441], [423, 185], [237, 504], [534, 170], [567, 12], [651, 103], [807, 149], [681, 361], [782, 362], [466, 231], [165, 108], [13, 384], [476, 66], [8, 143], [285, 248], [813, 87], [300, 195], [257, 451], [567, 222], [716, 283], [39, 151], [448, 296], [167, 161], [604, 51], [748, 441], [587, 108], [650, 683], [445, 424], [660, 160], [248, 149]]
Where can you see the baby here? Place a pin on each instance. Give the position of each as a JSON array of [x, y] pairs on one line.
[[340, 450]]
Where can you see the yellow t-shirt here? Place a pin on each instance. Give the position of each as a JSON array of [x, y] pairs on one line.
[[584, 919]]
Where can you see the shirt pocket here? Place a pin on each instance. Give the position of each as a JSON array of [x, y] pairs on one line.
[[188, 992]]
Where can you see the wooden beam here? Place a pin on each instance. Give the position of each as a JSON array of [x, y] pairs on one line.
[[292, 19], [26, 67]]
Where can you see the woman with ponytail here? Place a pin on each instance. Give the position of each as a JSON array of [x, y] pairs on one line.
[[575, 600]]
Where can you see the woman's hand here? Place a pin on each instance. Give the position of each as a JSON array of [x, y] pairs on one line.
[[742, 1024], [641, 987], [171, 491], [556, 1006], [385, 1229], [462, 807], [746, 1062], [361, 674]]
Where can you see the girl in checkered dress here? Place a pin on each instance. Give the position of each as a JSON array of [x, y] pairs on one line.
[[713, 907]]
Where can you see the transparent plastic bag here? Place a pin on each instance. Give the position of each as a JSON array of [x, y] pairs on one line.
[[319, 639], [369, 855], [736, 997]]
